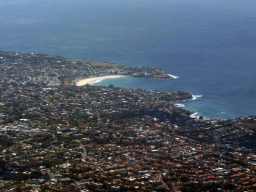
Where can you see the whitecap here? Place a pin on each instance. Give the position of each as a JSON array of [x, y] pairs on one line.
[[97, 81], [173, 76], [194, 97], [179, 105], [194, 115]]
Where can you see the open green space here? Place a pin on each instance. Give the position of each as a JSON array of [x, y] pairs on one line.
[[67, 83], [93, 63]]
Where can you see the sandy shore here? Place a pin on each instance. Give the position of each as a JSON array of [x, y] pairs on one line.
[[93, 79]]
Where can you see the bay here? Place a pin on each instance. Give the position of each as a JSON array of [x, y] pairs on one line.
[[209, 45]]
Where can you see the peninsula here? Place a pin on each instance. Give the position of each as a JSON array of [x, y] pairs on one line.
[[56, 70]]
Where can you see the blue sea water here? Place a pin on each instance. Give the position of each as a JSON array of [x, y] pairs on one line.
[[210, 45]]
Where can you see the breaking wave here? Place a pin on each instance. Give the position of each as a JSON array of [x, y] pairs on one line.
[[194, 97], [194, 115], [173, 76], [179, 105], [97, 81]]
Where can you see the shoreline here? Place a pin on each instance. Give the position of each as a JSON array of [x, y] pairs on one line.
[[91, 80]]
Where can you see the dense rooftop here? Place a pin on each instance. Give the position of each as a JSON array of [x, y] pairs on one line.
[[59, 137]]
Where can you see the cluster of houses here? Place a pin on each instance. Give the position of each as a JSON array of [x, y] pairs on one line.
[[55, 70], [93, 138]]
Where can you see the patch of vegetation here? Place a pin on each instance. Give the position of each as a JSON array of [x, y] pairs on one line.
[[76, 60], [85, 132], [67, 83], [106, 64], [49, 56], [178, 92], [13, 146], [95, 64], [6, 142]]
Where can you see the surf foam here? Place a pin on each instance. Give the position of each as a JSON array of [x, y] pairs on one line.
[[97, 81], [179, 105], [173, 76], [194, 115], [194, 97]]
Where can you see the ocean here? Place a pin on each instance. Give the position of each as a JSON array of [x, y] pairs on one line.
[[209, 46]]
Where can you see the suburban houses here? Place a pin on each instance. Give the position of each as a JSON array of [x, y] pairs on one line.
[[56, 136]]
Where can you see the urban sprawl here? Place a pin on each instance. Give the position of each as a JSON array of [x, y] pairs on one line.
[[56, 136]]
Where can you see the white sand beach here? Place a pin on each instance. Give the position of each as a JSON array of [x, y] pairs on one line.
[[93, 79]]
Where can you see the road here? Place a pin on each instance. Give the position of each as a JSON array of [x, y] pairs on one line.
[[84, 150], [159, 176], [50, 173]]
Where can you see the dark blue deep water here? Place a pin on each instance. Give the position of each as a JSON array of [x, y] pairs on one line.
[[210, 46]]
